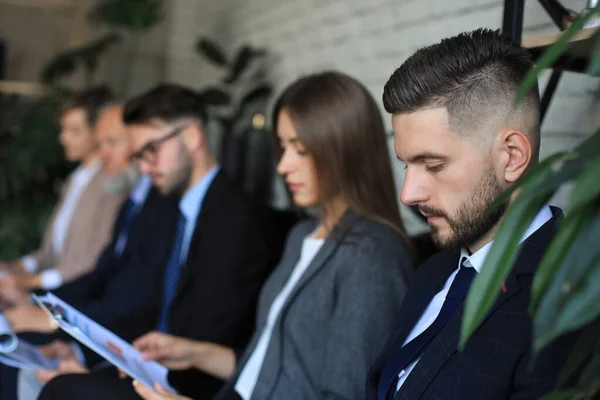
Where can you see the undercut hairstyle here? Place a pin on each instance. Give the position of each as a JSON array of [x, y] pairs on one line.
[[475, 76], [91, 101], [340, 126], [167, 103]]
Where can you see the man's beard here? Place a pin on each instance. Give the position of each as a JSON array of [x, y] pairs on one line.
[[472, 219], [123, 182], [180, 179]]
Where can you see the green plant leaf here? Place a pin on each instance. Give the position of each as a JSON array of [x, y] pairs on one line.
[[128, 14], [242, 60], [589, 147], [87, 55], [591, 373], [594, 66], [552, 162], [552, 54], [586, 187], [557, 251], [499, 260], [59, 67], [211, 51], [216, 97], [259, 93], [572, 299], [560, 395], [580, 353]]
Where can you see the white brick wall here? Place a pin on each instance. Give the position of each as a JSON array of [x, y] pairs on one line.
[[367, 39]]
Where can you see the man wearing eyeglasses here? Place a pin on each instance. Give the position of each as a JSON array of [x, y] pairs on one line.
[[134, 257], [220, 254]]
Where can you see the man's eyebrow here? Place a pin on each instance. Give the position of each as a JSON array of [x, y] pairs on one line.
[[427, 156]]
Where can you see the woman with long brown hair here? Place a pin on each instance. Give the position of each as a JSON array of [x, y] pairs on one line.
[[328, 307]]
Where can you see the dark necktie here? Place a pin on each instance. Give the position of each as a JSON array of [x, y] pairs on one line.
[[128, 217], [408, 353], [171, 276]]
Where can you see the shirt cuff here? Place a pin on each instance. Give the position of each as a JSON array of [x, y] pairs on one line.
[[50, 279], [30, 264]]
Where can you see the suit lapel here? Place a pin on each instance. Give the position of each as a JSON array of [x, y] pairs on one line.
[[443, 346], [330, 245], [417, 299]]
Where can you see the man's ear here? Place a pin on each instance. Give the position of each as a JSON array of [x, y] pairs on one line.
[[193, 137], [515, 153]]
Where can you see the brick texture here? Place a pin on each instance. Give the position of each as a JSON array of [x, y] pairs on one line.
[[367, 39]]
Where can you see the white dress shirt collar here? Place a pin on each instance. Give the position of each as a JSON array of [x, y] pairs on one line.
[[477, 259]]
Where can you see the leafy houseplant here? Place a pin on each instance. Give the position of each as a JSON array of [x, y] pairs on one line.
[[566, 287], [131, 17], [32, 164], [237, 100], [86, 56], [32, 168]]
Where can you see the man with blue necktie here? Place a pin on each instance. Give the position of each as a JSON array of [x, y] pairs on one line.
[[134, 257], [221, 249], [463, 142]]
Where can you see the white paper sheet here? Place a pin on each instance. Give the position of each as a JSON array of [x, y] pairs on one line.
[[18, 353], [104, 342]]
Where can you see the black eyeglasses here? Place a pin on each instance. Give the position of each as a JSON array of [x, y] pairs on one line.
[[149, 152]]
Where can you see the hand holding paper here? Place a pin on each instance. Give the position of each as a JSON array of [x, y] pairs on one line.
[[180, 353], [29, 318], [99, 339], [11, 292], [171, 351], [18, 353]]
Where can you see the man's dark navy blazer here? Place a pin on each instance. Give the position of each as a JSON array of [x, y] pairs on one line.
[[495, 363], [120, 284]]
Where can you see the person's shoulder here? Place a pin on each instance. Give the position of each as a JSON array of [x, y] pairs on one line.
[[372, 236]]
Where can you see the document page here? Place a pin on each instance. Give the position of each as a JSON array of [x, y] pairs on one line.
[[104, 342], [18, 353]]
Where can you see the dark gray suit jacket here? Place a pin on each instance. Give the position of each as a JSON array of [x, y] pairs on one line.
[[337, 317]]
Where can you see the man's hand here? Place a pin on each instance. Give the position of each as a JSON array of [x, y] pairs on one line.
[[171, 351], [160, 393], [28, 281], [68, 363], [180, 353], [58, 350], [29, 318], [11, 293]]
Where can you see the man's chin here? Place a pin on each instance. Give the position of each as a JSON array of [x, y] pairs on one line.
[[443, 239]]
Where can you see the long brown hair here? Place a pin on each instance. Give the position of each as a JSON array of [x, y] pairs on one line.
[[340, 126]]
